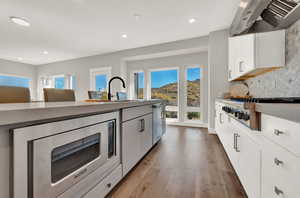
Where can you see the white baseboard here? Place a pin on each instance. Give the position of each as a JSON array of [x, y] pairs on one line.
[[212, 131], [187, 124]]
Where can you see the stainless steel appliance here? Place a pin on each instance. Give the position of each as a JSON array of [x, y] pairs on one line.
[[159, 122], [68, 158], [264, 15], [244, 110]]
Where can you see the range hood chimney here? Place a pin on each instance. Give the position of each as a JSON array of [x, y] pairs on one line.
[[264, 15]]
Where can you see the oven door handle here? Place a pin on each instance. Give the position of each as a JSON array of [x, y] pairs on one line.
[[80, 173]]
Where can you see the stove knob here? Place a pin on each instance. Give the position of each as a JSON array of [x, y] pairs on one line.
[[246, 117], [236, 114], [240, 115]]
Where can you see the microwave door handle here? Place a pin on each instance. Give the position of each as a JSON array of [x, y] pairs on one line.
[[111, 139]]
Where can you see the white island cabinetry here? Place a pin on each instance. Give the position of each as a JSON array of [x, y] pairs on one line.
[[136, 135]]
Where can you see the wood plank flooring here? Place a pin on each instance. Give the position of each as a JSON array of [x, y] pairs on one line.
[[187, 163]]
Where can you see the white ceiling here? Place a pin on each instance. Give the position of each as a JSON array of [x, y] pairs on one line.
[[71, 29]]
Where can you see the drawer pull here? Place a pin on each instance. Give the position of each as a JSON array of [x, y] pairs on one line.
[[278, 191], [278, 132], [278, 162], [108, 185]]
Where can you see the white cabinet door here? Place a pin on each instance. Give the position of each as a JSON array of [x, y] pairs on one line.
[[251, 54], [246, 56], [136, 140], [233, 57], [231, 133], [249, 164], [130, 144], [225, 133], [145, 134]]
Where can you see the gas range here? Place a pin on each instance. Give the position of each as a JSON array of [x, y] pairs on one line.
[[244, 111]]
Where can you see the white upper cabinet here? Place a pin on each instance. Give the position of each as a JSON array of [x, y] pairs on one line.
[[253, 54]]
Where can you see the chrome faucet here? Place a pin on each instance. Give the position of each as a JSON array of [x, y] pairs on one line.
[[113, 78]]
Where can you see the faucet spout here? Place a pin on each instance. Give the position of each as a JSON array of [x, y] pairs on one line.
[[109, 85]]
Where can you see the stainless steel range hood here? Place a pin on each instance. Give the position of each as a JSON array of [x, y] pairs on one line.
[[264, 15]]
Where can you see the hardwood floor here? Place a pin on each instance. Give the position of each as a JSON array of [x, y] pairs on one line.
[[187, 163]]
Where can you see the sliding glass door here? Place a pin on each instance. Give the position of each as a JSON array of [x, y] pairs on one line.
[[164, 85]]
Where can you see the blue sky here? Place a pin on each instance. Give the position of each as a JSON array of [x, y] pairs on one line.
[[141, 77], [161, 78], [101, 82], [193, 74], [14, 81], [60, 83]]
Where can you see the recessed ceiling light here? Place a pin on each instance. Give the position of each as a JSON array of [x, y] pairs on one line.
[[192, 20], [124, 35], [243, 4], [45, 52], [20, 21], [20, 58]]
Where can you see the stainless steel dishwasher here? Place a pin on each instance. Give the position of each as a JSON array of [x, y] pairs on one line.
[[159, 121]]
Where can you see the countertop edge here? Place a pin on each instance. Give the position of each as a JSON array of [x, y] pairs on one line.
[[26, 117]]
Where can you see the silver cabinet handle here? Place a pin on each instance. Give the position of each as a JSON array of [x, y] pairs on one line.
[[278, 132], [241, 66], [229, 74], [278, 191], [278, 162], [142, 125], [221, 118], [236, 143], [108, 185]]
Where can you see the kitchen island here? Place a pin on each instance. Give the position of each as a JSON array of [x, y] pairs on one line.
[[27, 130]]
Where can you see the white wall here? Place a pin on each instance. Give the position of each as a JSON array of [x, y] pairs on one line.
[[180, 61], [20, 69], [80, 67], [218, 71]]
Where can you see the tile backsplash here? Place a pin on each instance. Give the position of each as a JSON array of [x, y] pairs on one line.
[[284, 82]]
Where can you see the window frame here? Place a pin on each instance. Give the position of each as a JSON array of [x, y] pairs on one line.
[[132, 84], [185, 106], [98, 71]]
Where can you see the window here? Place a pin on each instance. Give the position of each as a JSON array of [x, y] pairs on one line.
[[164, 85], [139, 85], [101, 82], [99, 78], [193, 85], [59, 82], [15, 81]]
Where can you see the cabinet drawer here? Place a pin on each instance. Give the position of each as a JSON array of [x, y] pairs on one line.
[[135, 112], [106, 185], [283, 132], [280, 172]]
